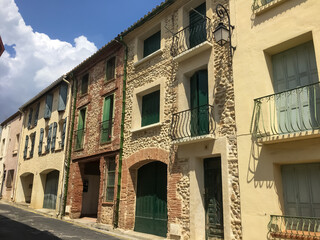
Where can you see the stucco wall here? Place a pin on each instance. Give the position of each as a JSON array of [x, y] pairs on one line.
[[258, 37]]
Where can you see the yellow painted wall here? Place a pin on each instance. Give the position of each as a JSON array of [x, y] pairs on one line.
[[40, 166], [257, 37]]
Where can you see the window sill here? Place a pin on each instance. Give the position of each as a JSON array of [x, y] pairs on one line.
[[107, 203], [158, 124], [147, 58], [83, 95], [267, 7], [289, 137], [78, 149], [193, 51], [105, 143]]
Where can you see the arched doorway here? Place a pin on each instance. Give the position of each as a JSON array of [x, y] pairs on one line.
[[151, 205], [26, 185], [51, 189]]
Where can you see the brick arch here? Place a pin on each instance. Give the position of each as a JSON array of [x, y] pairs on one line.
[[144, 156]]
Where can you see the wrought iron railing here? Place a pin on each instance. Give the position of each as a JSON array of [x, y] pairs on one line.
[[193, 122], [79, 137], [291, 111], [288, 227], [259, 3], [191, 36], [106, 131]]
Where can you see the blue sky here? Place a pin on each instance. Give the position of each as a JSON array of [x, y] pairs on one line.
[[45, 39]]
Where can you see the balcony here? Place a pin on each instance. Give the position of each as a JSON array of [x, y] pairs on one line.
[[196, 36], [287, 227], [292, 113], [260, 6], [193, 125], [79, 137], [106, 131]]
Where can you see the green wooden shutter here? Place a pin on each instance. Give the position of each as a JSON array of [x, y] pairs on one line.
[[63, 92], [110, 68], [48, 108], [36, 116], [49, 138], [151, 44], [301, 189], [63, 132], [106, 125], [194, 104], [197, 25], [30, 117], [32, 144], [40, 141], [26, 148], [150, 108], [54, 133], [80, 131], [293, 68]]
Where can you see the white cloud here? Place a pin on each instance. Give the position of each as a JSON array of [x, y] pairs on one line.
[[39, 60]]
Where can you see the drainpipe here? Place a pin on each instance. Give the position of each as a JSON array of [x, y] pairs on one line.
[[67, 170], [64, 172], [116, 217]]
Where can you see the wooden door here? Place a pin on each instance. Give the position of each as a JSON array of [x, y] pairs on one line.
[[213, 198], [51, 189], [151, 204]]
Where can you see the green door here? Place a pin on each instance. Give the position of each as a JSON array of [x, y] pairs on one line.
[[197, 24], [213, 198], [51, 189], [151, 203], [199, 103], [294, 69]]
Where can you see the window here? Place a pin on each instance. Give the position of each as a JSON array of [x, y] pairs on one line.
[[110, 171], [150, 108], [295, 81], [2, 147], [48, 108], [16, 145], [40, 141], [49, 138], [30, 118], [301, 189], [106, 125], [110, 68], [25, 147], [151, 44], [63, 133], [9, 178], [197, 25], [84, 84], [80, 131], [63, 92], [54, 134], [32, 139], [36, 116]]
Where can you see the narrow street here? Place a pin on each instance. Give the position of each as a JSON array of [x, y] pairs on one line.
[[16, 224]]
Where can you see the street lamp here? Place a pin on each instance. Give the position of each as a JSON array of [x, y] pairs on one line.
[[222, 34]]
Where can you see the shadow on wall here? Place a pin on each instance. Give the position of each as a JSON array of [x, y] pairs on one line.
[[256, 20]]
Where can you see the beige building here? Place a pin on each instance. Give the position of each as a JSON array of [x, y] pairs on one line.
[[180, 163], [277, 99], [10, 142], [43, 147]]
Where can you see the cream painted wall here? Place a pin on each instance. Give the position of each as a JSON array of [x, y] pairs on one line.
[[257, 38], [40, 166]]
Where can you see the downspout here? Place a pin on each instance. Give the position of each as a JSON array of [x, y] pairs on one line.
[[75, 91], [64, 172], [116, 217]]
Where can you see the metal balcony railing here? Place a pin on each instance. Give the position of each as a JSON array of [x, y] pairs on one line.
[[259, 3], [106, 131], [291, 111], [79, 137], [288, 227], [193, 123], [191, 36]]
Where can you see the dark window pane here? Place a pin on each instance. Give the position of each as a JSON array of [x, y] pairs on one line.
[[151, 44]]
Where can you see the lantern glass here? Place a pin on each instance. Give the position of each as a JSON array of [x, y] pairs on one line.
[[221, 34]]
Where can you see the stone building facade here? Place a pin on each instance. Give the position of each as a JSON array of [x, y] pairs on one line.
[[96, 137], [42, 152], [180, 143], [10, 153]]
